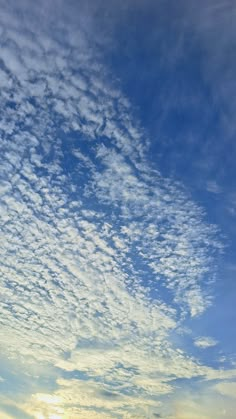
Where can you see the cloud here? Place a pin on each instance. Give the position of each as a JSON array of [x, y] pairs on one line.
[[203, 403], [213, 187], [205, 342], [103, 257], [11, 410], [5, 416], [226, 389]]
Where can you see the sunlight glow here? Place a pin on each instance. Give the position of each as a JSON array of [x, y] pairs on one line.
[[47, 398]]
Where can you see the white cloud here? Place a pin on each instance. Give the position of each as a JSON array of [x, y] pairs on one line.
[[213, 187], [226, 389], [205, 342], [90, 233]]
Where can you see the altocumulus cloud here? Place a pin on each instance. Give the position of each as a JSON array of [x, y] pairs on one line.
[[205, 342], [102, 257]]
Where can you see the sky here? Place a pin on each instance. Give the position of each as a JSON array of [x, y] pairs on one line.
[[118, 209]]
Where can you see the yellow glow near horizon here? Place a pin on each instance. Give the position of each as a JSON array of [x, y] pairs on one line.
[[46, 406], [41, 416], [48, 398]]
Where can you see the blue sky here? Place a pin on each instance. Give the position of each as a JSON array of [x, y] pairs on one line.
[[118, 208]]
